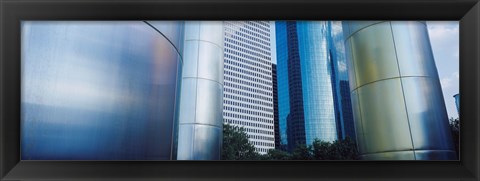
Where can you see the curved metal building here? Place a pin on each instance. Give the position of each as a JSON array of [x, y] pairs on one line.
[[201, 103], [99, 90], [397, 100]]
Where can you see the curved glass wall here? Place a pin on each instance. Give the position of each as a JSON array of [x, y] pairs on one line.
[[316, 81], [305, 93], [99, 90]]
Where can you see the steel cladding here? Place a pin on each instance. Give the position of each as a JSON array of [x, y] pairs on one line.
[[99, 90], [201, 102], [396, 95]]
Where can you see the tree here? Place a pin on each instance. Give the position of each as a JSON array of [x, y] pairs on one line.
[[275, 154], [302, 152], [455, 129], [236, 145], [336, 150]]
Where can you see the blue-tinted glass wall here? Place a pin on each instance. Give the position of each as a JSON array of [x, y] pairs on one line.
[[282, 80], [343, 105], [306, 104]]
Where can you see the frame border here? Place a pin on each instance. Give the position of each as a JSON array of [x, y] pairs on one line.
[[14, 11]]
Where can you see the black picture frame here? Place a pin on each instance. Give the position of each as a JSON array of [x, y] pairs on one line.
[[14, 11]]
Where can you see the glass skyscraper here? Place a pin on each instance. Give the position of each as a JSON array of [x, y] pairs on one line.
[[341, 89], [248, 86], [305, 92]]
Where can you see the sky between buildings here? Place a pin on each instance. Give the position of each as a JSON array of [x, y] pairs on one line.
[[444, 38]]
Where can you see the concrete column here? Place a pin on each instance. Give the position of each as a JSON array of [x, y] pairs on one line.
[[201, 99], [397, 100]]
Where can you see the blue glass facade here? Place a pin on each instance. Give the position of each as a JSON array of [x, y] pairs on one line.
[[343, 105], [305, 92], [282, 80]]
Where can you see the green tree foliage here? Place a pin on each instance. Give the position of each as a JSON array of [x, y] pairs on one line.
[[455, 129], [236, 145], [275, 154]]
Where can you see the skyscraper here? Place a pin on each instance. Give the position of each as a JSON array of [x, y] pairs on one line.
[[305, 92], [275, 107], [248, 86], [340, 82]]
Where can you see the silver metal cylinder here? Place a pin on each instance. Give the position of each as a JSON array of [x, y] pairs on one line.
[[397, 100], [201, 101]]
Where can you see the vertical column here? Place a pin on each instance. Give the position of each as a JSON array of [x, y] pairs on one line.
[[201, 102], [397, 100]]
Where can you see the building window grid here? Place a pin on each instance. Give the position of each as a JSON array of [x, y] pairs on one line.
[[249, 83], [248, 78], [237, 39], [231, 43], [246, 99], [237, 58], [241, 84], [241, 87], [246, 94], [244, 65], [240, 24], [262, 58], [243, 70]]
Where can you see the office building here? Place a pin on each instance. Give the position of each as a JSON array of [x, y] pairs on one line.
[[399, 111], [248, 84], [275, 107], [305, 90], [340, 82]]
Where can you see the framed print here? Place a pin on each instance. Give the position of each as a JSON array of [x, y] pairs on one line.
[[239, 90]]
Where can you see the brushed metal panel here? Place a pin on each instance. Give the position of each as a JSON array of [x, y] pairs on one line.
[[209, 103], [414, 52], [357, 118], [185, 144], [190, 59], [435, 155], [394, 155], [374, 54], [97, 91], [212, 31], [173, 30], [427, 114], [355, 26], [208, 142], [192, 30], [188, 96], [210, 62], [384, 117], [350, 65]]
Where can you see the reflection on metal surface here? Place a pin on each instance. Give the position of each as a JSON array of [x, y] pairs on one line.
[[97, 91], [200, 119], [397, 101]]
